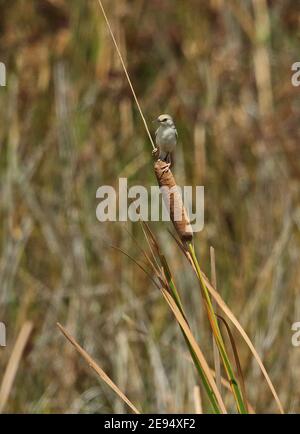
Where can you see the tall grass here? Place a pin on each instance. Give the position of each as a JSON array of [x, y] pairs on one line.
[[169, 290], [69, 124]]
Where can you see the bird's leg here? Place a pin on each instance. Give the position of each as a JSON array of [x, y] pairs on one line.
[[167, 160]]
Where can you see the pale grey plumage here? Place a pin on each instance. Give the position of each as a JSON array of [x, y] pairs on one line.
[[166, 137]]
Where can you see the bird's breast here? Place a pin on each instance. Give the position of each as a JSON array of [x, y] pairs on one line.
[[166, 139]]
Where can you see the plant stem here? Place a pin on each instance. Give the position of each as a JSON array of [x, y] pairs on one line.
[[217, 334]]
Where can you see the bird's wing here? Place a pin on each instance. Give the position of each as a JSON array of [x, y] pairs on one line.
[[156, 137]]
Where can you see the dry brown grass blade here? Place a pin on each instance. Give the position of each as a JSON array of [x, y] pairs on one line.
[[237, 360], [97, 368], [246, 338], [143, 251], [153, 245], [139, 265], [163, 272], [151, 237], [183, 324], [13, 363]]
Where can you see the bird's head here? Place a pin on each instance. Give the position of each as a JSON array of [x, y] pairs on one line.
[[165, 120]]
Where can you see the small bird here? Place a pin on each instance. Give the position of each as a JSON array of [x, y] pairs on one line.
[[166, 138]]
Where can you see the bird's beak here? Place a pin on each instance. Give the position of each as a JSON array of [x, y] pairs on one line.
[[155, 120]]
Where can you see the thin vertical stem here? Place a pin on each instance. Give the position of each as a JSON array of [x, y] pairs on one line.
[[214, 304]]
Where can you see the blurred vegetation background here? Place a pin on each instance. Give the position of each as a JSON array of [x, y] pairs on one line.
[[222, 69]]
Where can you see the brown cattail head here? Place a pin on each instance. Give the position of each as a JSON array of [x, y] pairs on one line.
[[173, 200]]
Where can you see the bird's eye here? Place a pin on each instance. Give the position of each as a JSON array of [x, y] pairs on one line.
[[165, 119]]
